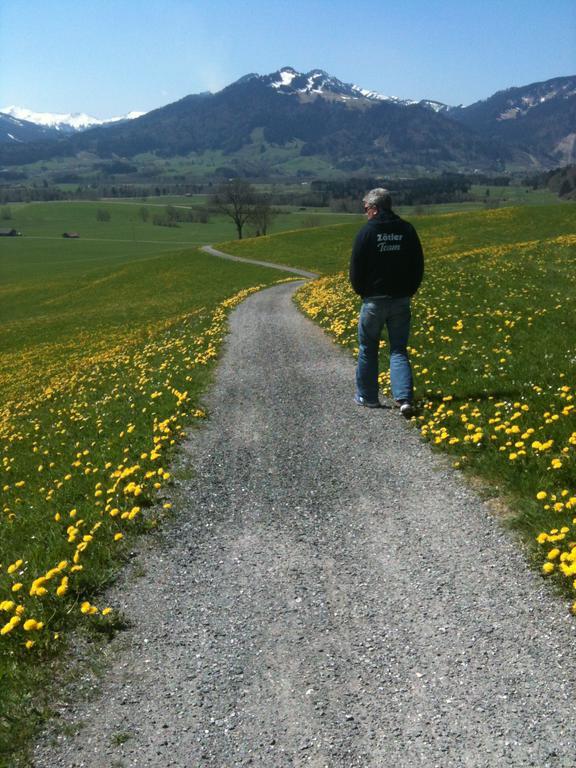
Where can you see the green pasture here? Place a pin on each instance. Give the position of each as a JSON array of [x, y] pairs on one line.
[[513, 195], [126, 227], [258, 159], [131, 233], [102, 342], [108, 345], [327, 249], [70, 298]]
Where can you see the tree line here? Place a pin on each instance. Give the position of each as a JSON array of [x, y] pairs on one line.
[[46, 192], [447, 188]]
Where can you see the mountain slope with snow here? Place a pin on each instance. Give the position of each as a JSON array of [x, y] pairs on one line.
[[541, 118], [14, 130], [69, 122], [516, 103], [315, 115], [319, 84], [307, 115]]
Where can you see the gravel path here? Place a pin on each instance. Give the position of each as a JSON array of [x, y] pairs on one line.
[[282, 267], [330, 594]]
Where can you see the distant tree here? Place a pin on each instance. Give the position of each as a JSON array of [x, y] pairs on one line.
[[171, 214], [6, 212], [311, 221], [237, 199], [262, 214], [102, 215], [162, 220], [144, 213], [345, 205]]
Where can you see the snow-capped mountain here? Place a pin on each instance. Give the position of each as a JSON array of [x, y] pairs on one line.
[[514, 104], [540, 117], [306, 87], [63, 122], [435, 106], [311, 114], [351, 128], [318, 83], [18, 131]]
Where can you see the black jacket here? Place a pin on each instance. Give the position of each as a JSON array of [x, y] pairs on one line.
[[387, 258]]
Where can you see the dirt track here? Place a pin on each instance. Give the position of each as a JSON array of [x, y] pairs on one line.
[[329, 594]]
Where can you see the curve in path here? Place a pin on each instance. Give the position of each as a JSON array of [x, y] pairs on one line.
[[330, 593], [285, 268]]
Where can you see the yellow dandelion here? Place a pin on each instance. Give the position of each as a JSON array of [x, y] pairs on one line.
[[31, 625]]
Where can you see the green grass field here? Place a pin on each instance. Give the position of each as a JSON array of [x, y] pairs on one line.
[[107, 350], [328, 249], [108, 345], [131, 233]]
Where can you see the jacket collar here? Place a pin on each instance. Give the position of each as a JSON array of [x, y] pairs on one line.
[[384, 217]]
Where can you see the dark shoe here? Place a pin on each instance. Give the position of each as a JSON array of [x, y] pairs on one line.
[[366, 403], [406, 408]]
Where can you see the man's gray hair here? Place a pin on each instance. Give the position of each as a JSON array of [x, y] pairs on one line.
[[380, 198]]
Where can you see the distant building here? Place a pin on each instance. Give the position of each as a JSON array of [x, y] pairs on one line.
[[10, 233], [71, 234]]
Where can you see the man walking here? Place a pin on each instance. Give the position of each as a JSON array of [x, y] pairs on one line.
[[386, 270]]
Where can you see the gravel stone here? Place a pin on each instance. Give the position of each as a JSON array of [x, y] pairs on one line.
[[329, 594]]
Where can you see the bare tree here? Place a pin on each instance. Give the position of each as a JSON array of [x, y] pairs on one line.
[[262, 214], [236, 198]]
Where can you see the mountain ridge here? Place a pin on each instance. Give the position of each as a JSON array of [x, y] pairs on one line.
[[350, 128], [539, 118], [63, 121]]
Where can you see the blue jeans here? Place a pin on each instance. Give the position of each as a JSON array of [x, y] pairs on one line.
[[374, 314]]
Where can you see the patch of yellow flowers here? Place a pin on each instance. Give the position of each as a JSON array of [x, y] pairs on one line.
[[59, 468], [483, 390]]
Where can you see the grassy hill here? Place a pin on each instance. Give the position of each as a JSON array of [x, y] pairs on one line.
[[132, 234], [108, 344], [105, 357], [326, 250]]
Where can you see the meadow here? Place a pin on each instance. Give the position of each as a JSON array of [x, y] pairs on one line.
[[327, 250], [128, 229], [106, 351], [109, 343]]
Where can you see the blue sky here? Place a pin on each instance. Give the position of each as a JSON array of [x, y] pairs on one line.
[[108, 57]]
